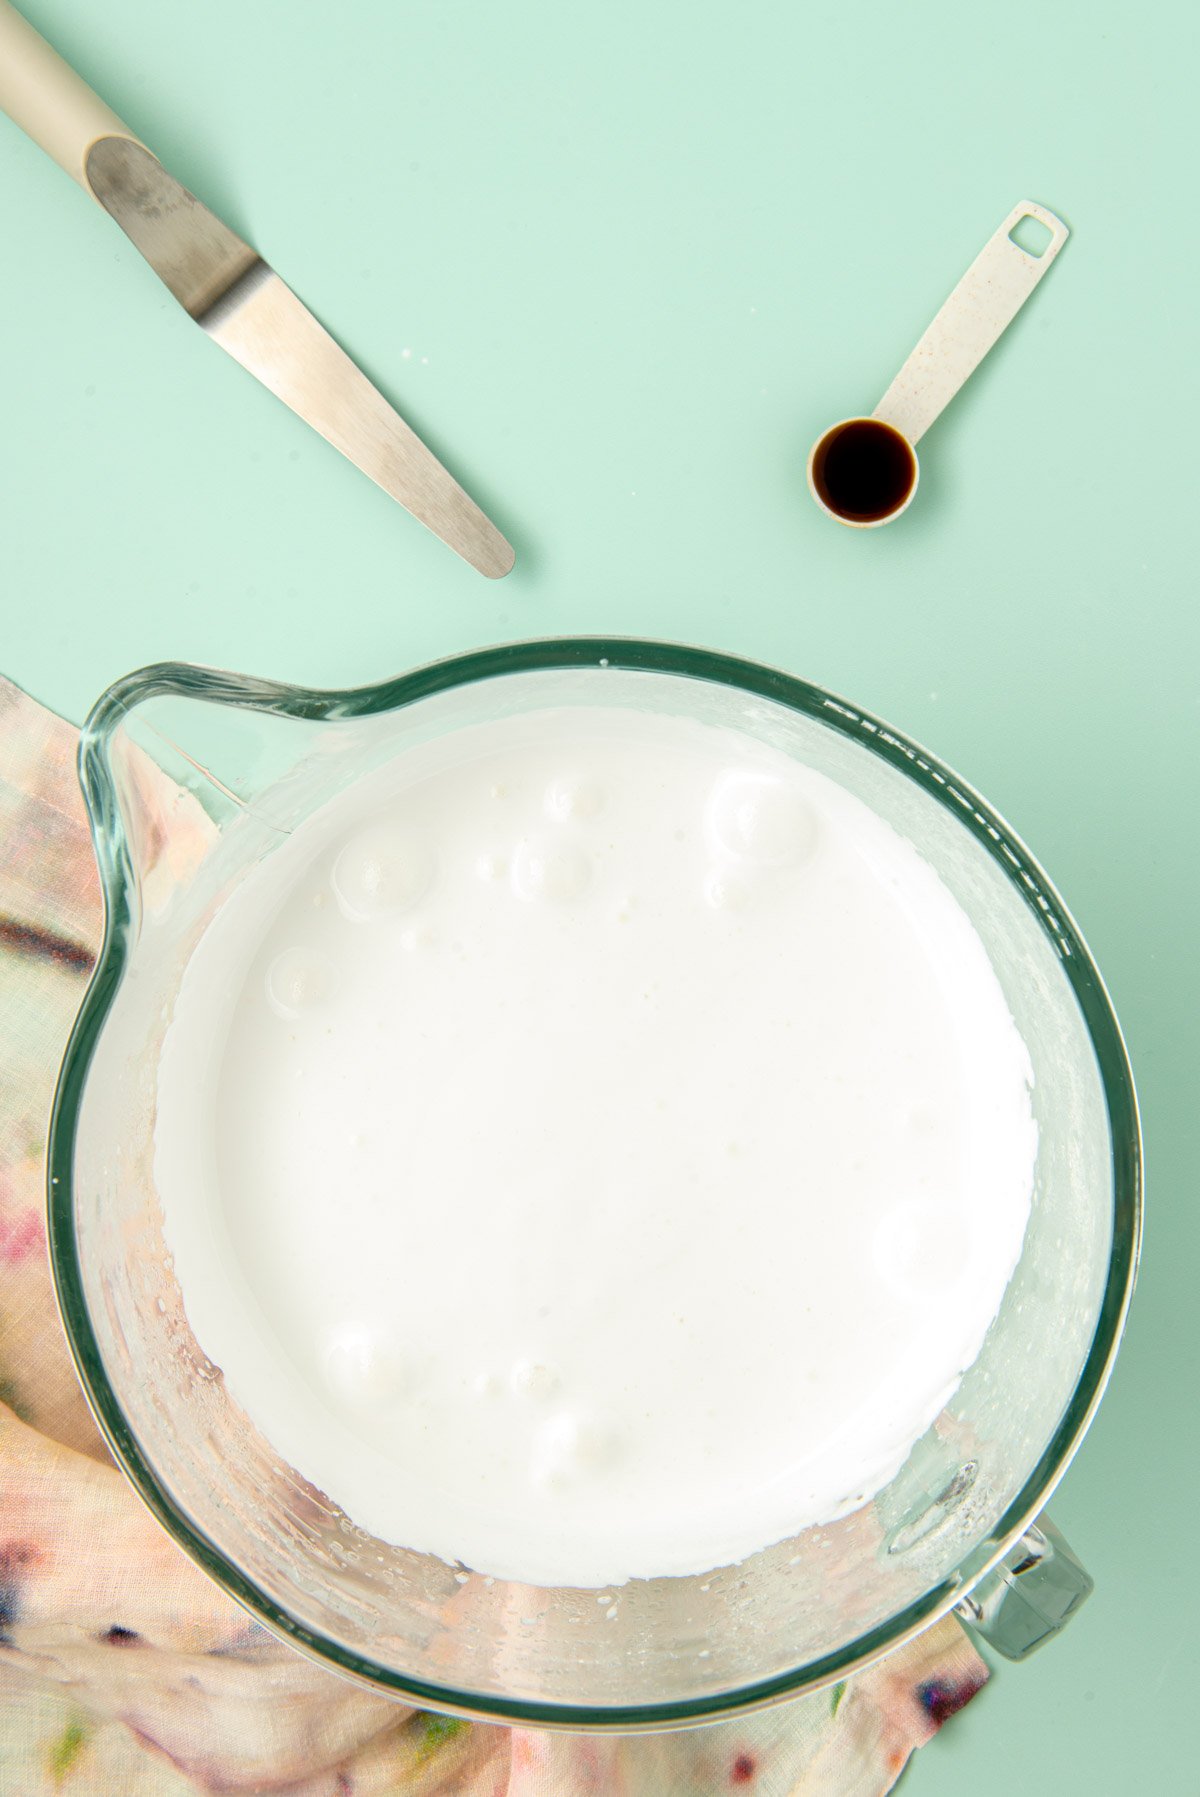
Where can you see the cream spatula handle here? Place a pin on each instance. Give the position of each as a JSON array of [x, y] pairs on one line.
[[984, 303], [48, 100]]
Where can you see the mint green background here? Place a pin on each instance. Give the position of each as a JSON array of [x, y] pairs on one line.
[[641, 255]]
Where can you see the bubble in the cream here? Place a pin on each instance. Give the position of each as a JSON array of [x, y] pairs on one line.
[[297, 980], [383, 869], [568, 1447], [762, 819], [558, 874], [568, 799], [418, 939], [362, 1367], [724, 890], [530, 1379], [920, 1247], [490, 867]]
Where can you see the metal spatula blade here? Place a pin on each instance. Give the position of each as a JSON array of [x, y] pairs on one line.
[[242, 304]]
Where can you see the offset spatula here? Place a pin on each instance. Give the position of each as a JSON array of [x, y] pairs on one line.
[[229, 291]]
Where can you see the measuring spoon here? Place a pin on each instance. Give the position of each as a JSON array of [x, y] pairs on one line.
[[864, 471]]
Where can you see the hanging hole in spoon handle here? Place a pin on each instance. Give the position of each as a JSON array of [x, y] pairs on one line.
[[980, 309]]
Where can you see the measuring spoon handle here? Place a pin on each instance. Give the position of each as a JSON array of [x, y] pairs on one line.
[[986, 300]]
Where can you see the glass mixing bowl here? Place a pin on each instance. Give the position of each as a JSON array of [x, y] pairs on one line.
[[246, 760]]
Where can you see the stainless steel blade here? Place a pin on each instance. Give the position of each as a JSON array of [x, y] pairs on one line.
[[243, 305]]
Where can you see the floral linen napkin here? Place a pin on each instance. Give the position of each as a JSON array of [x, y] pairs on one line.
[[124, 1671]]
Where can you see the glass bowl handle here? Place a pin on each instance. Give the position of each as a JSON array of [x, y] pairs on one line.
[[1032, 1594]]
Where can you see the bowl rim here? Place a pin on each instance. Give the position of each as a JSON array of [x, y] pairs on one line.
[[624, 654]]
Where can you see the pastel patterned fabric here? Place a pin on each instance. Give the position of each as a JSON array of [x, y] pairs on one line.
[[124, 1671]]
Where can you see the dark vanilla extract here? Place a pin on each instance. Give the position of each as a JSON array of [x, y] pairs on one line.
[[864, 470]]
